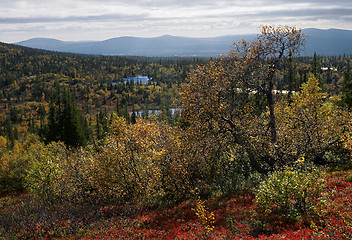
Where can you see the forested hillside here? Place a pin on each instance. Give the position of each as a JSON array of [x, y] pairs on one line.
[[32, 79], [260, 147]]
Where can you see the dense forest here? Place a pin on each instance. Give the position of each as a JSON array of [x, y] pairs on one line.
[[80, 135], [31, 78]]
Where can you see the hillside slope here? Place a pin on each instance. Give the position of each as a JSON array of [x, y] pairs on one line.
[[323, 42]]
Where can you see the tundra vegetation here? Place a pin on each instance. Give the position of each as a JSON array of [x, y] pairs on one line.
[[260, 150]]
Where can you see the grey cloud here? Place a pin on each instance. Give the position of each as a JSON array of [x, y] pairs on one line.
[[204, 3], [318, 13], [150, 17], [312, 13], [304, 14], [184, 3], [140, 3], [320, 3], [104, 17], [163, 3]]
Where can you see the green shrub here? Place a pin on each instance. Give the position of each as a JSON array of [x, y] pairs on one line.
[[15, 162], [46, 169], [57, 174], [235, 174], [295, 192]]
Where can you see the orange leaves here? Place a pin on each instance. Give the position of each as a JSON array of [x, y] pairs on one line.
[[129, 160], [142, 161]]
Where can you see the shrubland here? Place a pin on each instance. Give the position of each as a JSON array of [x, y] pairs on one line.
[[242, 161]]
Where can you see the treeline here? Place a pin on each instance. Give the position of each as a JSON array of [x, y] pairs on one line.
[[329, 70], [28, 75], [29, 79]]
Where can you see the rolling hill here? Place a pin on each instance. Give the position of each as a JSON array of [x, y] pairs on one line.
[[323, 42]]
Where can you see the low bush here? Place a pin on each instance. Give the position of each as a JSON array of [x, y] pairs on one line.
[[45, 173], [295, 194], [15, 162], [139, 162]]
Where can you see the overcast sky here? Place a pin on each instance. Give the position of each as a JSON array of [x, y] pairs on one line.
[[103, 19]]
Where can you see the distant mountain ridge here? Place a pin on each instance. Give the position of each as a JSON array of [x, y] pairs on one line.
[[323, 42]]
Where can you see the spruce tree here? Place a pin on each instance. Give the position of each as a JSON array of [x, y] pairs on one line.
[[291, 75], [65, 122], [347, 88], [315, 69], [73, 134]]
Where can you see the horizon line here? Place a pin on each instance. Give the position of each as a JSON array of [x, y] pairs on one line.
[[164, 35]]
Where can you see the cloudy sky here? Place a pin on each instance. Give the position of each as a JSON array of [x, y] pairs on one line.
[[103, 19]]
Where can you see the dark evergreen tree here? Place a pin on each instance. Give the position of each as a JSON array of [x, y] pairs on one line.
[[14, 115], [65, 122], [102, 124], [53, 133], [315, 69], [11, 134], [126, 115], [145, 112], [133, 117], [100, 134], [118, 109], [291, 78], [73, 134], [31, 126], [328, 75], [347, 88]]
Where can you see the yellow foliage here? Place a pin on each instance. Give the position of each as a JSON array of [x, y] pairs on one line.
[[309, 124], [206, 219], [14, 163], [139, 161], [224, 102], [3, 143]]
